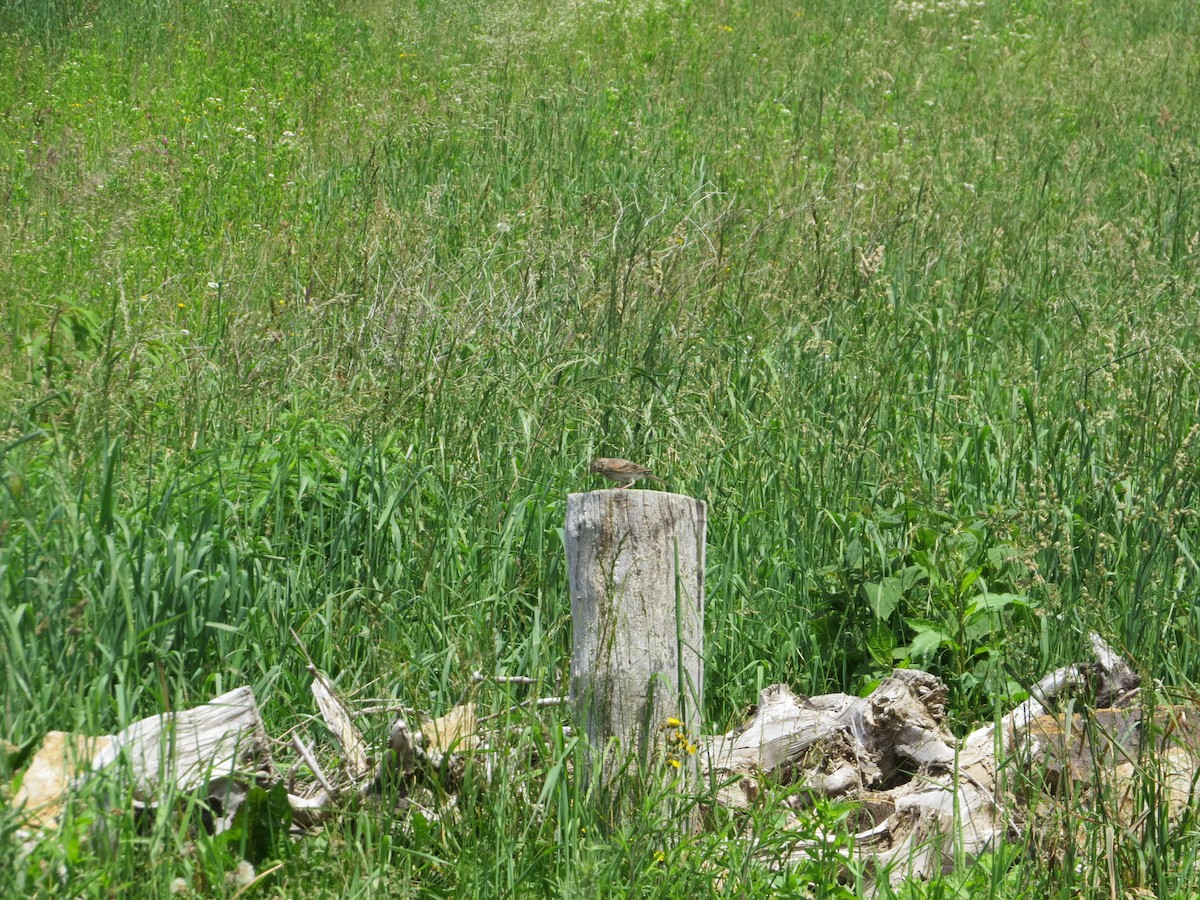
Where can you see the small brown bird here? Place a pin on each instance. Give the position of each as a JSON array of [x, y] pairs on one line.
[[622, 471]]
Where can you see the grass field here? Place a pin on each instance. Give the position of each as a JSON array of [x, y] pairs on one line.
[[313, 313]]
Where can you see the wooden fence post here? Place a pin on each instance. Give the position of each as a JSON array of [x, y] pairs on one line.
[[635, 561]]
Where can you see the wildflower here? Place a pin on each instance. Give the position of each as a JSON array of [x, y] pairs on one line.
[[675, 764], [182, 305], [673, 722]]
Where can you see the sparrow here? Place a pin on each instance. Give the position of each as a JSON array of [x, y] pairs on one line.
[[622, 471]]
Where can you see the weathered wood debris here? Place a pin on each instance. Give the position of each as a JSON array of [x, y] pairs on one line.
[[924, 801]]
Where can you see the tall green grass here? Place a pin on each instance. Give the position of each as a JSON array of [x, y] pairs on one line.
[[315, 312]]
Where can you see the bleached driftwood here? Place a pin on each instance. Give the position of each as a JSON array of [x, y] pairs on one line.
[[341, 724], [927, 799], [636, 567], [224, 737], [217, 750], [851, 747]]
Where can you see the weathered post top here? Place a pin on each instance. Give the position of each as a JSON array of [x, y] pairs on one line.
[[636, 566]]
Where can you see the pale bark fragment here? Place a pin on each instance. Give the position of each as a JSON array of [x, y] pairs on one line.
[[341, 723], [189, 748]]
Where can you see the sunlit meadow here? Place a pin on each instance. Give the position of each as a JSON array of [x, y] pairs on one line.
[[315, 312]]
